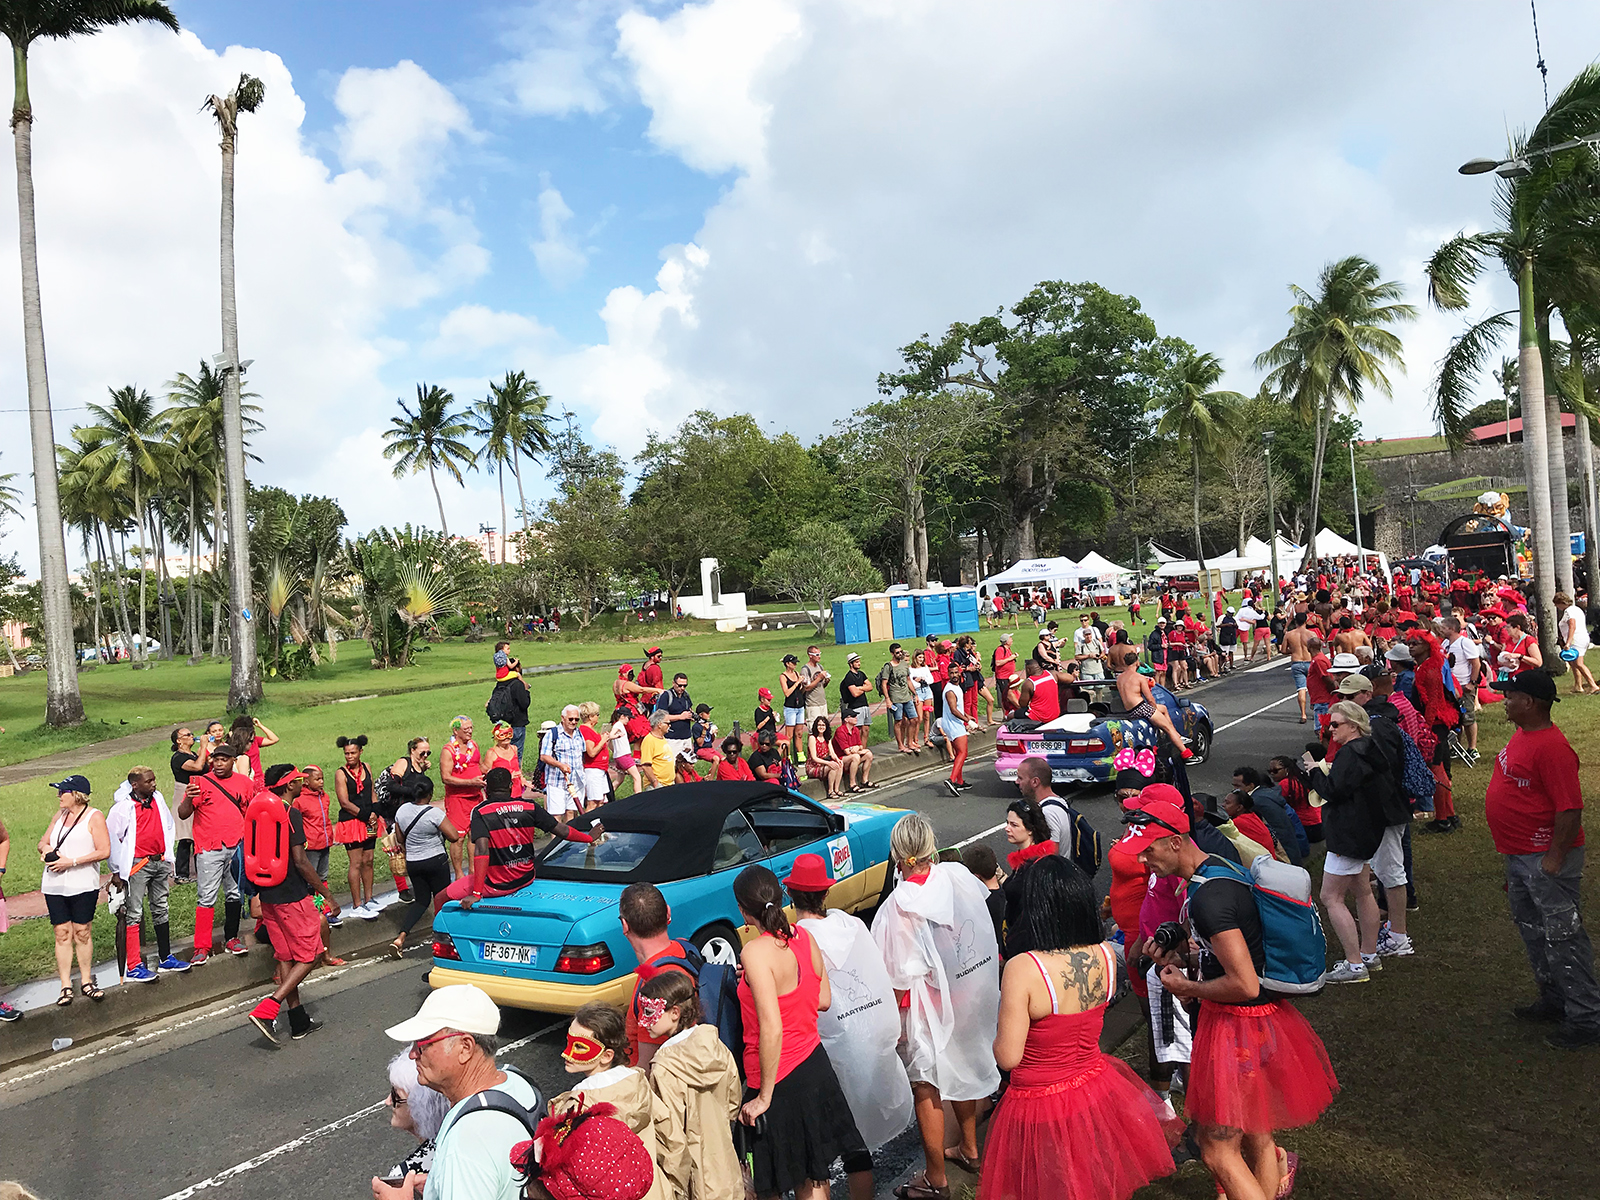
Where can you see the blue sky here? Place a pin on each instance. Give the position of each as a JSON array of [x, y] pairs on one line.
[[742, 205]]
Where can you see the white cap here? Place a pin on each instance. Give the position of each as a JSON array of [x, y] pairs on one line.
[[1345, 662], [460, 1006], [1230, 608]]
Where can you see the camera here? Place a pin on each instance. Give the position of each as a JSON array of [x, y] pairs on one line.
[[1169, 935]]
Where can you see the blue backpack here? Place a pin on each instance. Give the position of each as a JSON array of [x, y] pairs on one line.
[[718, 984], [1291, 930]]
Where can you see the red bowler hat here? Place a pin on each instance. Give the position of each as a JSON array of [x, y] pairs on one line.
[[810, 874]]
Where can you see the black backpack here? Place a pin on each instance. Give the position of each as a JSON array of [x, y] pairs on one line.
[[495, 1100], [1084, 848], [499, 707], [718, 984]]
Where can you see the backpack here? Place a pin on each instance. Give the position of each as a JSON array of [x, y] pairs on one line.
[[1084, 849], [499, 706], [539, 765], [266, 840], [1291, 931], [494, 1100], [718, 984]]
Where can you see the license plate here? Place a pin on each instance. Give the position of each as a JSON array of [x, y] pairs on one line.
[[501, 952], [1050, 747]]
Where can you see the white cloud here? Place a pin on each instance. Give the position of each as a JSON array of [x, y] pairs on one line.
[[398, 125], [700, 72], [560, 259], [563, 60]]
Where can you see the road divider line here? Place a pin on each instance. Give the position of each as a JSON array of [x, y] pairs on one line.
[[978, 837], [344, 1122], [1257, 713]]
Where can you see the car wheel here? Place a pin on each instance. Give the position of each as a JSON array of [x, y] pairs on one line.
[[718, 943], [1201, 745]]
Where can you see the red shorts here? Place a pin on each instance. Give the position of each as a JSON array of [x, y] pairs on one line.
[[458, 809], [295, 930], [1262, 633]]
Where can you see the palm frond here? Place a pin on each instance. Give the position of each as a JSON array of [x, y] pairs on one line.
[[1459, 371]]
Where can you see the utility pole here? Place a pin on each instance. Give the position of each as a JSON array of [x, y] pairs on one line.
[[1355, 502], [1272, 518]]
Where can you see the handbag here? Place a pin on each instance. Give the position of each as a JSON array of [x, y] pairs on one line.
[[394, 844]]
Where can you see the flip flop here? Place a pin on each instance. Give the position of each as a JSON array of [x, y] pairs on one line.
[[1290, 1171], [969, 1164], [920, 1189]]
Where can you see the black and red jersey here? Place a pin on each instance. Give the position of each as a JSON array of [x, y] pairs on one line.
[[511, 826]]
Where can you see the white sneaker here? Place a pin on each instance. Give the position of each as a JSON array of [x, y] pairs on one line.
[[1167, 1111], [367, 912], [1347, 972], [1371, 962], [1394, 945]]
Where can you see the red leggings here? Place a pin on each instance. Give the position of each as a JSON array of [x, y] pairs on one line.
[[1444, 803], [958, 746]]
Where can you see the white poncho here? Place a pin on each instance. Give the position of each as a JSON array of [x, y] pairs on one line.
[[938, 945], [861, 1027]]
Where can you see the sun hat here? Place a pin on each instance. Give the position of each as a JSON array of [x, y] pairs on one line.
[[461, 1006], [1345, 661], [1352, 685], [1399, 653], [810, 874]]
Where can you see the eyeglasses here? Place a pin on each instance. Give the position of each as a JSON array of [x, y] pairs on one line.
[[418, 1047], [395, 1098]]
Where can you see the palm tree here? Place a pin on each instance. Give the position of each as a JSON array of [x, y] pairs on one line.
[[1201, 418], [130, 429], [511, 422], [1546, 218], [430, 438], [25, 22], [1337, 347], [245, 687]]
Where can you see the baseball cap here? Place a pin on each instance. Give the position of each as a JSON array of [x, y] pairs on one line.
[[462, 1006], [652, 652], [1345, 661], [1351, 685], [764, 693], [700, 708], [1151, 822], [789, 658], [1399, 653], [1161, 620], [1536, 683], [1230, 608], [72, 783]]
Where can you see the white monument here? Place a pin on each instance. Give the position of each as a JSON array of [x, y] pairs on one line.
[[727, 609]]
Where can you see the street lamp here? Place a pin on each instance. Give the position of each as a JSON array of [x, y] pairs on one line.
[[1355, 500], [1518, 167], [1272, 516], [490, 530]]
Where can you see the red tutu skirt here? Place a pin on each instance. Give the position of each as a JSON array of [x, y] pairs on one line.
[[1257, 1068], [1099, 1135]]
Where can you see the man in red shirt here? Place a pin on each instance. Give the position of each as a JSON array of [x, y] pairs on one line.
[[1534, 806], [216, 800], [645, 920], [850, 744], [650, 673], [1319, 687]]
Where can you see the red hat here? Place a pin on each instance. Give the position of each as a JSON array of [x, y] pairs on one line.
[[625, 671], [654, 650], [285, 780], [764, 693], [810, 874], [1166, 819], [587, 1154]]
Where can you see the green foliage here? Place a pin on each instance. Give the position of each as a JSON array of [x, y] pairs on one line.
[[822, 562], [429, 439], [406, 580]]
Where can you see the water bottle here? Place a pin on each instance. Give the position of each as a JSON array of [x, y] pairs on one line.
[[59, 1044]]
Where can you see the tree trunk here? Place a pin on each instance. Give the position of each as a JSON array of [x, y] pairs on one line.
[[101, 639], [122, 593], [1199, 547], [439, 500], [218, 559], [216, 629], [166, 594], [504, 528], [192, 617], [522, 501], [142, 653], [1309, 563], [1530, 368], [1560, 512], [910, 566], [244, 688], [63, 704], [1591, 549]]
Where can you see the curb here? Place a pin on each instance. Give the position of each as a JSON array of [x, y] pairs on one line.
[[127, 1007], [890, 766]]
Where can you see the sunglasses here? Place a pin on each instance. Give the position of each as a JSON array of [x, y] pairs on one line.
[[1142, 818], [1337, 724]]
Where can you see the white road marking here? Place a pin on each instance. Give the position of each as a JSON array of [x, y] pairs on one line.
[[305, 1139], [1257, 713], [978, 837]]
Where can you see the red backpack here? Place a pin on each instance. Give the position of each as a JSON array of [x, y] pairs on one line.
[[266, 840]]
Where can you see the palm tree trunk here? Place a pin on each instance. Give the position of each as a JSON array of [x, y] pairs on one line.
[[1310, 560], [122, 593], [1530, 375], [102, 636], [443, 525], [142, 655], [522, 501], [1199, 548], [63, 704], [1591, 549], [244, 689], [504, 528], [192, 617], [164, 588], [218, 518], [1560, 513]]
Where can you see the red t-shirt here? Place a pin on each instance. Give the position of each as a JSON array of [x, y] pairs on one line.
[[219, 810], [1535, 777], [650, 675], [149, 838], [630, 1020], [1318, 689], [737, 769], [846, 739], [600, 760], [313, 810]]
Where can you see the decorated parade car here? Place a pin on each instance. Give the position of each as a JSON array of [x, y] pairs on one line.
[[1082, 744], [557, 944]]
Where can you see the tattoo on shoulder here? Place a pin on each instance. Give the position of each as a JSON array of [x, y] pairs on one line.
[[1083, 973]]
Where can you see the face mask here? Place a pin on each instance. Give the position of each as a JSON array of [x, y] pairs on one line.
[[582, 1050]]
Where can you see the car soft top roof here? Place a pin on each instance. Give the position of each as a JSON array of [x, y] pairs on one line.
[[686, 818]]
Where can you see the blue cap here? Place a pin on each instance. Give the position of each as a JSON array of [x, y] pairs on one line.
[[72, 783]]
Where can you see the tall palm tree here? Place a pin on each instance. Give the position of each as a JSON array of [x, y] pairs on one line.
[[129, 428], [245, 686], [25, 22], [430, 438], [1201, 418], [1546, 244], [511, 421], [1338, 345]]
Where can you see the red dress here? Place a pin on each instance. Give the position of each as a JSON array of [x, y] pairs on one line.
[[1075, 1121], [1257, 1067]]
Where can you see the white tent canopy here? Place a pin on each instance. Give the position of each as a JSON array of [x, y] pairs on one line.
[[1052, 572], [1331, 543], [1096, 566]]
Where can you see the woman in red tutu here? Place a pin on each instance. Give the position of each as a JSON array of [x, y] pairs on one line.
[[1075, 1122], [1257, 1066]]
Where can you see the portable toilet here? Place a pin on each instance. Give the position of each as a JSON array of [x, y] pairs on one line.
[[963, 610], [880, 621], [849, 620], [933, 612], [902, 615]]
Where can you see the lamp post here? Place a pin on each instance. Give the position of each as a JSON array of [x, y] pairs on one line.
[[1272, 516]]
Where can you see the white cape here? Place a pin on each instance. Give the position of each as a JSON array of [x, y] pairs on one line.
[[861, 1027], [937, 942]]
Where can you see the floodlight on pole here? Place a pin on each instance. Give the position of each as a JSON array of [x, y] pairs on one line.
[[219, 363]]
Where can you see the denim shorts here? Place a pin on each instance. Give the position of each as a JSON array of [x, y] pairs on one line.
[[903, 712], [1301, 672], [794, 716]]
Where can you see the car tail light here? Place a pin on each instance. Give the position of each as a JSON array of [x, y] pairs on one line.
[[585, 960], [444, 946], [1085, 746]]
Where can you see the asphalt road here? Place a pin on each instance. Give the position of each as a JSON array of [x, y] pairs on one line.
[[201, 1106]]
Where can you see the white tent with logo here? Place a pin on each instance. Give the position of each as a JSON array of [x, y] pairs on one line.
[[1097, 567], [1054, 573]]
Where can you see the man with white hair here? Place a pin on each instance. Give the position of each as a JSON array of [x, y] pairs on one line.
[[453, 1044], [561, 752]]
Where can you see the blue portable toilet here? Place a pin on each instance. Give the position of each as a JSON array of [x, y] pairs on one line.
[[903, 615], [964, 610], [850, 620], [933, 612]]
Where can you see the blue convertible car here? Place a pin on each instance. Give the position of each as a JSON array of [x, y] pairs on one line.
[[557, 944]]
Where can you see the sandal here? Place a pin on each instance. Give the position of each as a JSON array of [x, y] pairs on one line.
[[92, 990], [65, 998], [961, 1160], [1291, 1168], [870, 786], [920, 1189], [397, 948]]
